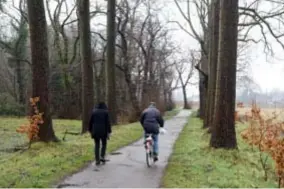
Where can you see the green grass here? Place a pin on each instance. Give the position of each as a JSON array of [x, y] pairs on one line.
[[193, 164], [170, 114], [45, 164]]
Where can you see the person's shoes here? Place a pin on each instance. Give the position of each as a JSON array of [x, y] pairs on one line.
[[103, 160], [156, 158], [96, 163]]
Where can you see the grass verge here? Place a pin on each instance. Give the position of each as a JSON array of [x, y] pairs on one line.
[[170, 114], [45, 164], [193, 164]]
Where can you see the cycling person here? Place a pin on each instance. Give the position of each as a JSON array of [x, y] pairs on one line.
[[151, 119]]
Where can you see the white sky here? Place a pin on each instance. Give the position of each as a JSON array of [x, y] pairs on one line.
[[267, 74]]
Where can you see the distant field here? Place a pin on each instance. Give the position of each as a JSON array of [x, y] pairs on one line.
[[266, 112], [195, 105]]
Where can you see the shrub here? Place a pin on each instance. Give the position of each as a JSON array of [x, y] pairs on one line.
[[32, 128], [267, 135]]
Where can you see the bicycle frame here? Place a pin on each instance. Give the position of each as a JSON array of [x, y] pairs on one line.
[[149, 143], [149, 150]]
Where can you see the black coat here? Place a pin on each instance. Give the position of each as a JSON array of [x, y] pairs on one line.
[[151, 119], [99, 125]]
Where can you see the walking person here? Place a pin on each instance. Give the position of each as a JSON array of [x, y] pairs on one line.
[[100, 129]]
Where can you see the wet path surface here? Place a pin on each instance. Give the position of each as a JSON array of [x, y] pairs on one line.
[[127, 167]]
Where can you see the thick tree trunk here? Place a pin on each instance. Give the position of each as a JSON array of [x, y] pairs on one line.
[[203, 80], [223, 130], [213, 59], [40, 65], [205, 60], [202, 97], [87, 66], [110, 66]]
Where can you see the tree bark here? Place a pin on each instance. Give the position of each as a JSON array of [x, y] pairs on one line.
[[223, 130], [203, 84], [110, 66], [213, 60], [145, 86], [87, 66], [134, 101], [185, 102], [40, 65], [202, 97], [20, 81]]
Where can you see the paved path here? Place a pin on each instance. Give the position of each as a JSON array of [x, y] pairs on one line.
[[128, 169]]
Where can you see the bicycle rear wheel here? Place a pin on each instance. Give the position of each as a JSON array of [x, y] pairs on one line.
[[149, 155], [149, 151], [148, 159]]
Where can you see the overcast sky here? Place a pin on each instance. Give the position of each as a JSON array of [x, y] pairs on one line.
[[267, 73]]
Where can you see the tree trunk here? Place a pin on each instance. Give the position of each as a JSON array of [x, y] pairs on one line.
[[87, 66], [185, 102], [202, 97], [98, 87], [203, 83], [213, 59], [170, 100], [145, 86], [134, 101], [20, 81], [40, 65], [223, 130], [110, 66]]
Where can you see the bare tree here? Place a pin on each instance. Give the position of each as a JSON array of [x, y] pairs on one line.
[[16, 47], [213, 59], [65, 55], [202, 9], [223, 129], [143, 60], [87, 68], [110, 64], [251, 16], [125, 17], [134, 31], [40, 65], [185, 72]]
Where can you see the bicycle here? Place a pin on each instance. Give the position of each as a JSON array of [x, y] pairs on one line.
[[149, 149]]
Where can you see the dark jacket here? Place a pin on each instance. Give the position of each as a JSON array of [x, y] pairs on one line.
[[99, 125], [151, 119]]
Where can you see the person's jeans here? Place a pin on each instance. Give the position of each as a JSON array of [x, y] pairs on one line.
[[156, 143], [99, 155]]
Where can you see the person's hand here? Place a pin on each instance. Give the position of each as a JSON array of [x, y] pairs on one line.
[[108, 136], [162, 130]]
